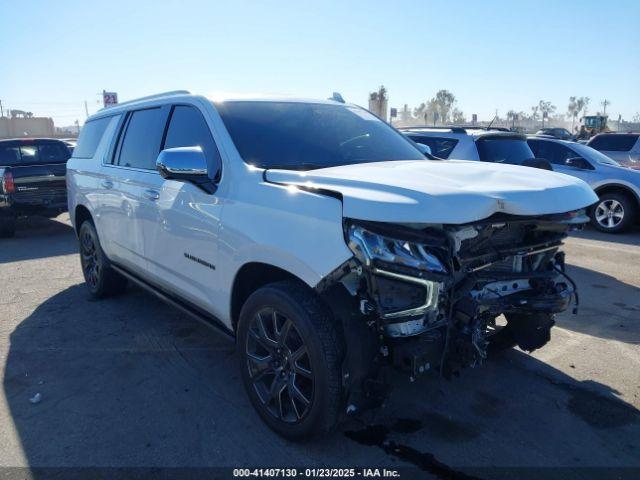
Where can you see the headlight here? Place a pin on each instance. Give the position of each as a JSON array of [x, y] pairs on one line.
[[377, 250], [402, 271]]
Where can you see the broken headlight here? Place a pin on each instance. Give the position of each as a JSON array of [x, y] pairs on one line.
[[405, 273], [401, 256]]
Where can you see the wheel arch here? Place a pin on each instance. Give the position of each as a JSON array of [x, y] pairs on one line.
[[249, 278], [81, 213], [619, 188]]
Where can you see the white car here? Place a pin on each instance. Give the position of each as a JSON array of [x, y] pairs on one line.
[[321, 240], [472, 143]]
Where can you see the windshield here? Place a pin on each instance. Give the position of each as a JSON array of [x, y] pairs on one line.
[[305, 136], [593, 154], [504, 150]]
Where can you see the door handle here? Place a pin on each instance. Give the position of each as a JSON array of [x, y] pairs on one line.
[[151, 194], [107, 184]]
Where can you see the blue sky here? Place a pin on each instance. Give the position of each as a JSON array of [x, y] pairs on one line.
[[491, 54]]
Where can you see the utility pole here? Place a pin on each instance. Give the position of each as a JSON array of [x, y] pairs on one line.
[[1, 111], [86, 109], [604, 105]]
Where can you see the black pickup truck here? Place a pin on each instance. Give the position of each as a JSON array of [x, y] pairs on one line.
[[32, 180]]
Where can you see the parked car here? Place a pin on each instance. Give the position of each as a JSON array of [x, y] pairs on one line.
[[618, 188], [622, 147], [472, 143], [322, 240], [32, 174], [556, 132]]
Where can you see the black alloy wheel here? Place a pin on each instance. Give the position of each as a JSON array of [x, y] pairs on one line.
[[100, 278], [279, 366], [91, 266], [291, 350]]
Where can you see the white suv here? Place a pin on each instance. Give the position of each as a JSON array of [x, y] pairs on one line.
[[320, 239], [496, 145]]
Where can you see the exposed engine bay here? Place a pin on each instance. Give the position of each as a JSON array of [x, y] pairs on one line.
[[436, 297]]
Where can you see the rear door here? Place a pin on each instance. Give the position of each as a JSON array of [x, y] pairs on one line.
[[129, 187], [181, 240]]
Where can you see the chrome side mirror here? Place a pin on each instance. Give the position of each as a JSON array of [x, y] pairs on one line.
[[187, 164], [179, 163]]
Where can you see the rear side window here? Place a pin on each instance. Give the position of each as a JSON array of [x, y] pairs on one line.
[[503, 150], [141, 144], [440, 147], [90, 137], [188, 128], [614, 142]]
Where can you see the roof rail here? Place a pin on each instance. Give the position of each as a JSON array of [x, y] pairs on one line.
[[151, 97]]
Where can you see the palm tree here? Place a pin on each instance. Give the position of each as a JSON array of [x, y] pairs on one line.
[[576, 105], [547, 109]]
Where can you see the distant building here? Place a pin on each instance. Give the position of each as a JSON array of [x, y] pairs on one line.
[[26, 126]]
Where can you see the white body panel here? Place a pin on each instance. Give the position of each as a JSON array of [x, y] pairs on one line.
[[452, 192]]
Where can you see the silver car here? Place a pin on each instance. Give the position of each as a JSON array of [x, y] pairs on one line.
[[617, 186]]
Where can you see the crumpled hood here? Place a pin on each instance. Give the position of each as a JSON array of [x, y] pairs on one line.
[[451, 191]]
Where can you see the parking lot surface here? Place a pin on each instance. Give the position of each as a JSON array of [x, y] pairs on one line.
[[130, 382]]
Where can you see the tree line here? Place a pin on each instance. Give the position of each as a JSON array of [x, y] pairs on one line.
[[442, 108]]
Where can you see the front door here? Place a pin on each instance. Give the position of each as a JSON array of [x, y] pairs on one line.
[[181, 242]]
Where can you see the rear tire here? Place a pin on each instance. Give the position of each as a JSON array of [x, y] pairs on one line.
[[614, 213], [7, 227], [101, 280], [290, 354]]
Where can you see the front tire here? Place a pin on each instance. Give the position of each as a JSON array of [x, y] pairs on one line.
[[290, 354], [614, 213], [101, 280]]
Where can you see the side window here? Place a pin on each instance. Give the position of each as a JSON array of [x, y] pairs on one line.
[[565, 153], [140, 146], [53, 152], [440, 147], [90, 137], [188, 128], [553, 152]]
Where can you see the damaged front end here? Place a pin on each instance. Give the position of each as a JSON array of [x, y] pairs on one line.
[[437, 297]]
